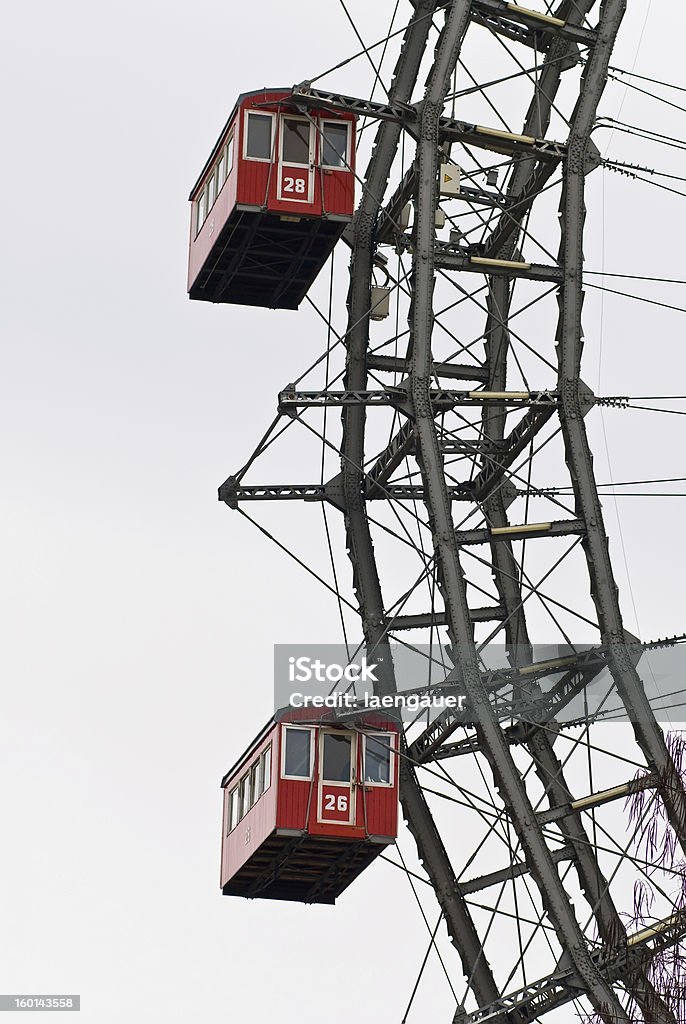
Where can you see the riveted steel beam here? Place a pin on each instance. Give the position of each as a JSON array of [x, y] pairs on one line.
[[430, 846], [399, 447], [515, 443], [233, 494], [577, 451], [594, 800], [456, 371], [451, 578], [526, 184], [526, 531], [439, 398], [429, 620], [508, 873], [447, 259], [390, 218], [449, 129], [503, 16]]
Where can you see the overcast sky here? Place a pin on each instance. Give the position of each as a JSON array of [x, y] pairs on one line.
[[139, 615]]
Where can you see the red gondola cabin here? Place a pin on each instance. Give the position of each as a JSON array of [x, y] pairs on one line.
[[308, 807], [271, 202]]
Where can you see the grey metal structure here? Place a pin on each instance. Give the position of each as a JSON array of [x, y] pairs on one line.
[[467, 472]]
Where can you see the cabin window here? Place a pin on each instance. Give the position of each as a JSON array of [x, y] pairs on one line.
[[297, 753], [229, 156], [221, 170], [234, 808], [254, 783], [377, 760], [211, 192], [244, 793], [201, 211], [334, 144], [226, 816], [336, 757], [258, 144], [295, 141], [266, 772]]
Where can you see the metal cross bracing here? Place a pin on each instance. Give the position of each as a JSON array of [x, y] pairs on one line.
[[446, 485]]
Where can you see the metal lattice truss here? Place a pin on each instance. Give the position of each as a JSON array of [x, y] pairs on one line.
[[449, 479]]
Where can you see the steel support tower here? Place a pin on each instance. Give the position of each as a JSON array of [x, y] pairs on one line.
[[463, 462]]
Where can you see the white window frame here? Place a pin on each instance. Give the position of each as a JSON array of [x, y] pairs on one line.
[[266, 752], [234, 792], [255, 791], [241, 812], [202, 198], [299, 728], [352, 737], [350, 786], [292, 197], [228, 152], [391, 765], [226, 805], [310, 139], [346, 158], [246, 132]]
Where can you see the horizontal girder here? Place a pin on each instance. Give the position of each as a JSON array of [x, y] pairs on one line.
[[448, 258], [457, 371], [505, 16], [429, 620], [525, 531], [440, 398], [508, 873], [232, 494], [449, 129]]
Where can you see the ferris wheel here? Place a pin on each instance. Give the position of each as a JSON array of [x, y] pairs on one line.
[[450, 408]]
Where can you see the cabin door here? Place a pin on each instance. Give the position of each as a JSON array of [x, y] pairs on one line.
[[337, 761], [296, 161]]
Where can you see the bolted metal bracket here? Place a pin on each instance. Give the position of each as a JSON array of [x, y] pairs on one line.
[[228, 492]]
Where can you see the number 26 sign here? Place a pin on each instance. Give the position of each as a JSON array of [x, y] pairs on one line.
[[335, 804]]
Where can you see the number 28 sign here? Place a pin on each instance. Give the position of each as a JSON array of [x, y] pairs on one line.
[[295, 184]]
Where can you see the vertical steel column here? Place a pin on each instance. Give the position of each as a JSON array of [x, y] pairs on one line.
[[451, 578], [549, 768], [366, 583], [577, 451]]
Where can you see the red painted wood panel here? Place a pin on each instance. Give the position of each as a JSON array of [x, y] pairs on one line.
[[253, 183], [201, 246], [257, 825], [339, 192]]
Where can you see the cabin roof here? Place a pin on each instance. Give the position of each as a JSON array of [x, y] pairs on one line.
[[215, 149], [250, 750]]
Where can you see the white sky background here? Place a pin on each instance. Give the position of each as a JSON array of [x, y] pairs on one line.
[[139, 615]]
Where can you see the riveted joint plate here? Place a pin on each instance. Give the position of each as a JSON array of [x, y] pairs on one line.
[[334, 492], [592, 157], [228, 492]]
